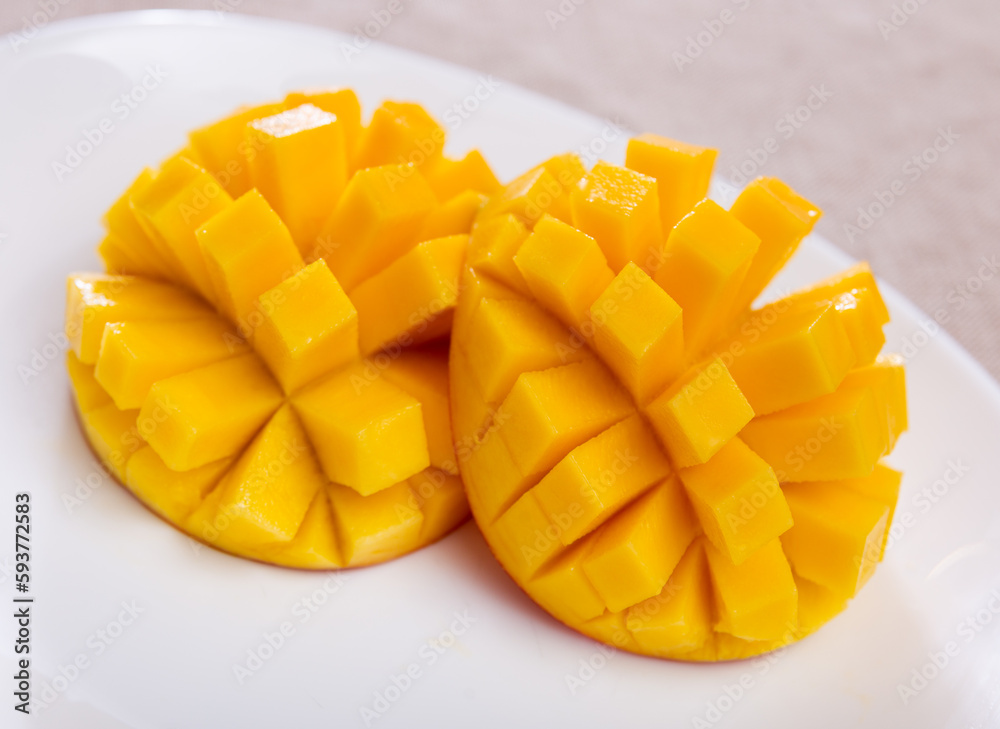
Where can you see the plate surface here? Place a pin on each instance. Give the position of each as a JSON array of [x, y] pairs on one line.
[[174, 634]]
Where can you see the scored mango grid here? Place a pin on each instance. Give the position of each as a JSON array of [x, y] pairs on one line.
[[599, 628], [276, 409]]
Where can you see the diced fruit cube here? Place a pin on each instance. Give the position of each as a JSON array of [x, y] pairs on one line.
[[638, 330], [368, 433], [527, 197], [222, 147], [315, 544], [781, 218], [632, 557], [308, 327], [171, 494], [837, 537], [127, 249], [179, 200], [453, 217], [526, 537], [113, 435], [492, 247], [342, 103], [377, 219], [563, 268], [94, 300], [423, 373], [267, 492], [300, 167], [372, 528], [563, 586], [620, 209], [549, 413], [682, 173], [699, 413], [210, 413], [511, 336], [601, 476], [87, 392], [738, 500], [135, 354], [247, 250], [400, 133], [882, 486], [757, 599], [412, 300], [448, 177], [441, 497], [783, 357], [705, 261], [678, 619], [497, 479]]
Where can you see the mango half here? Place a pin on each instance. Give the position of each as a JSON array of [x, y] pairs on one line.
[[264, 364], [657, 464]]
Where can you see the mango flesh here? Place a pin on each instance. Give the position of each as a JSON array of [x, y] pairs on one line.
[[624, 420], [263, 364]]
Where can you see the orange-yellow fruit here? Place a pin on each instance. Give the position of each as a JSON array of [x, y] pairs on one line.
[[265, 369], [628, 428]]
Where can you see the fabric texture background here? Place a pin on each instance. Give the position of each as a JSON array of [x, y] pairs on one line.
[[887, 79]]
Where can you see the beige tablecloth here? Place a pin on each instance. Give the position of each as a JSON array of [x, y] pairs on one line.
[[885, 112]]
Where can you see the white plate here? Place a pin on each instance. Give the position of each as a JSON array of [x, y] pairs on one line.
[[202, 611]]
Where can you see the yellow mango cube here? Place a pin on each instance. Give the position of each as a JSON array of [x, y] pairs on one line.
[[87, 391], [601, 476], [308, 327], [174, 495], [882, 485], [510, 336], [562, 586], [549, 413], [441, 498], [449, 178], [453, 217], [400, 133], [114, 436], [127, 249], [837, 537], [620, 209], [248, 250], [179, 200], [757, 599], [315, 543], [266, 494], [564, 269], [136, 354], [886, 377], [492, 247], [840, 435], [781, 218], [377, 219], [679, 618], [639, 333], [498, 481], [783, 357], [699, 413], [705, 261], [526, 537], [300, 167], [527, 197], [223, 150], [738, 501], [342, 103], [209, 413], [412, 300], [368, 433], [94, 300], [372, 528], [632, 557], [817, 605], [423, 373], [682, 173]]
